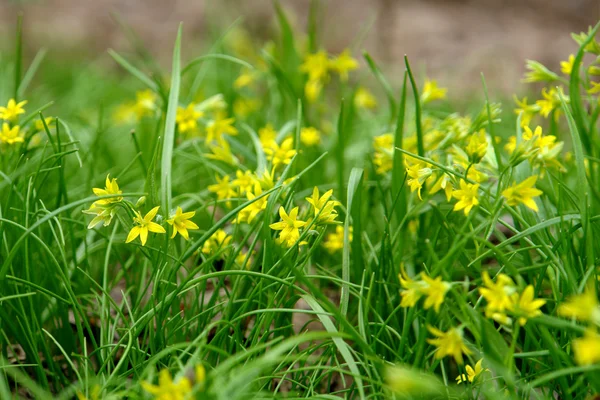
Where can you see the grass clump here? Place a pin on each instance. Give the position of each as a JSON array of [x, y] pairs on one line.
[[259, 223]]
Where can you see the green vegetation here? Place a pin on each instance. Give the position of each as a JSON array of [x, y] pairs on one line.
[[275, 221]]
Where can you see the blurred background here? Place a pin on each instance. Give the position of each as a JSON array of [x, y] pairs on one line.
[[454, 39]]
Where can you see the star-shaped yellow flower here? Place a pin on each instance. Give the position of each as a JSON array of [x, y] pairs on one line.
[[181, 223], [143, 225], [472, 373], [523, 192], [324, 209], [10, 135], [526, 306], [12, 110], [467, 197], [289, 227], [281, 155], [167, 389], [449, 343]]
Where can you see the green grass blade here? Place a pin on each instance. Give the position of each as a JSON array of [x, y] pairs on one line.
[[169, 138], [134, 71]]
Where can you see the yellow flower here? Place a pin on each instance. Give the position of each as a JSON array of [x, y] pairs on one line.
[[244, 181], [144, 225], [523, 192], [511, 144], [221, 151], [435, 290], [413, 290], [472, 373], [167, 389], [181, 223], [363, 98], [550, 101], [593, 70], [289, 227], [445, 183], [383, 158], [334, 242], [110, 187], [525, 306], [449, 343], [267, 136], [498, 295], [223, 188], [587, 348], [324, 209], [244, 106], [216, 241], [432, 92], [548, 150], [200, 373], [527, 111], [477, 146], [312, 90], [244, 258], [466, 196], [595, 89], [10, 135], [343, 63], [104, 209], [124, 113], [582, 306], [220, 126], [281, 155], [567, 66], [417, 174], [187, 118], [145, 103], [12, 110], [243, 80], [316, 65], [267, 181], [310, 136], [251, 211], [39, 125]]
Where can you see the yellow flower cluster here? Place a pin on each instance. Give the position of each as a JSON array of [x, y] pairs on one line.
[[502, 296], [323, 213], [11, 132], [586, 308], [433, 289], [106, 208], [317, 66], [179, 389]]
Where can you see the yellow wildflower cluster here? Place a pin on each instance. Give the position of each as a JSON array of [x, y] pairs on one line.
[[502, 296], [317, 66], [145, 105], [322, 212], [11, 132], [105, 209], [433, 289], [217, 241], [179, 389], [585, 308]]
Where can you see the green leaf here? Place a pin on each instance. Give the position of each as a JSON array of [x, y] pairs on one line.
[[169, 139], [354, 191], [134, 71]]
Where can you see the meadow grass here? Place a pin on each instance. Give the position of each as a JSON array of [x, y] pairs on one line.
[[274, 221]]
